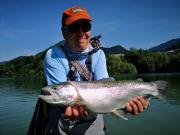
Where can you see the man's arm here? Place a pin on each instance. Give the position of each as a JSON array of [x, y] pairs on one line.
[[54, 68]]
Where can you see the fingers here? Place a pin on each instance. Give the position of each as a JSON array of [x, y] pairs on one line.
[[68, 112], [75, 112], [137, 105], [134, 107], [145, 102], [71, 112], [128, 107]]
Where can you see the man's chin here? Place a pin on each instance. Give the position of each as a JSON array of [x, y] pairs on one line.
[[81, 48]]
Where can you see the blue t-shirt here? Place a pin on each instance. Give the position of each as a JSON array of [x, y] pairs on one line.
[[56, 65]]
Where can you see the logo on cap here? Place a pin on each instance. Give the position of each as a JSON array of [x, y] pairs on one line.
[[77, 10]]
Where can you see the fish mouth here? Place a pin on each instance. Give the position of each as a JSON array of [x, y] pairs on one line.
[[45, 91], [48, 99]]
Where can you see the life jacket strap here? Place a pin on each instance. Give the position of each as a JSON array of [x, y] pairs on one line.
[[75, 66], [82, 70]]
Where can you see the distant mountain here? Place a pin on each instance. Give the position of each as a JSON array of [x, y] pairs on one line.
[[175, 47], [169, 45], [118, 49]]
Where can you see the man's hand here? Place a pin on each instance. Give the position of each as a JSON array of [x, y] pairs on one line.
[[75, 112], [137, 105]]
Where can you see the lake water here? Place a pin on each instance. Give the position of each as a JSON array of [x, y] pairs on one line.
[[18, 98]]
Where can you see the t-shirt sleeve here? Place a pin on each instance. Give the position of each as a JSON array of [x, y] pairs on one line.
[[100, 67], [54, 66]]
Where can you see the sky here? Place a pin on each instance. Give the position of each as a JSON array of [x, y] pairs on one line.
[[28, 27]]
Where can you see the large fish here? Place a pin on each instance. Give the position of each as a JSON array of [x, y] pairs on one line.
[[100, 96]]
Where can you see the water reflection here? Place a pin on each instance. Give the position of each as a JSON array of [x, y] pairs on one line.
[[18, 97], [22, 86]]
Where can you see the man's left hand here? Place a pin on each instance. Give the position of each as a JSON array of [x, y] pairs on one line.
[[137, 105]]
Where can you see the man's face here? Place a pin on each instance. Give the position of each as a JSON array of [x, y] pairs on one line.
[[78, 35]]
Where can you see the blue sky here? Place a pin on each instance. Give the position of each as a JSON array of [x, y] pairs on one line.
[[30, 26]]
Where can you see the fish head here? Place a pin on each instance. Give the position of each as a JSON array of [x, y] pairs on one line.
[[63, 94]]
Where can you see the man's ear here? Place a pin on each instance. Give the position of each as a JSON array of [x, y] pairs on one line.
[[64, 33]]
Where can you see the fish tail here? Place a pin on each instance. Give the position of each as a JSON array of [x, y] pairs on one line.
[[161, 86]]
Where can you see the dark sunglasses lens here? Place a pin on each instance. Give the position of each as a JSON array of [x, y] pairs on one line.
[[85, 26], [73, 28]]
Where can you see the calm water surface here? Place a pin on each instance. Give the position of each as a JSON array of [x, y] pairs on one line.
[[18, 98]]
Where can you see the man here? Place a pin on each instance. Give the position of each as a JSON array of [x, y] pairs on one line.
[[72, 60]]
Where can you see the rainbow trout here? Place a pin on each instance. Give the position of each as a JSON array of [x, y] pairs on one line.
[[101, 96]]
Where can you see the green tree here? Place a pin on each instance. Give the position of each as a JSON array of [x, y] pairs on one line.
[[116, 65]]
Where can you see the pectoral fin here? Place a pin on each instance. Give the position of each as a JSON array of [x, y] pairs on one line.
[[119, 114]]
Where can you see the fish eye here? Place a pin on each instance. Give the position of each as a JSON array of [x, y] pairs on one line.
[[55, 88]]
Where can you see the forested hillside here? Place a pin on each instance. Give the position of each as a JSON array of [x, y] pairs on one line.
[[119, 60]]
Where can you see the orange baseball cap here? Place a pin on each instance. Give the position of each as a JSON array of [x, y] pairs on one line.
[[73, 14]]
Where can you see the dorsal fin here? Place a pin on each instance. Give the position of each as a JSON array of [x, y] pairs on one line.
[[139, 79], [108, 79]]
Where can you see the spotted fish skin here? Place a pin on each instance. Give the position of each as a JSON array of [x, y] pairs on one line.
[[100, 96]]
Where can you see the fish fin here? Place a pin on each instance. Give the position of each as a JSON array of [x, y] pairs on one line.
[[139, 79], [112, 79], [119, 114], [107, 79]]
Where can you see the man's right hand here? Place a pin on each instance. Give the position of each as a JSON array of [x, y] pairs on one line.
[[75, 112]]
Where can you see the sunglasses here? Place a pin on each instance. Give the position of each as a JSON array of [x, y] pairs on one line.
[[75, 27]]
